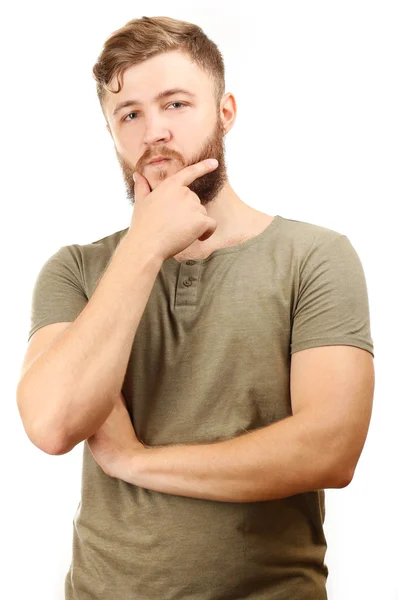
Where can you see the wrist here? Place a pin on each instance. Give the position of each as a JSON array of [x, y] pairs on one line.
[[146, 248], [128, 467]]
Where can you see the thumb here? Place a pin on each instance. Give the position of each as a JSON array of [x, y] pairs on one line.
[[141, 186]]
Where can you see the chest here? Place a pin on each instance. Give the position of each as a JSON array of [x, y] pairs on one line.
[[212, 358]]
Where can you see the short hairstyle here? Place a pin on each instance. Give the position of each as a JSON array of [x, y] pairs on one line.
[[140, 39]]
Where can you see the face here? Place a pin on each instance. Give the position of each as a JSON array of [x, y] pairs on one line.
[[182, 128]]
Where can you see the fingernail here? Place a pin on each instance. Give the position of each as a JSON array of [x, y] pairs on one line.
[[134, 177], [213, 162]]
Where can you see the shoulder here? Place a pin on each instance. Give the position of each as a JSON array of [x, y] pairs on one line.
[[307, 233], [92, 253]]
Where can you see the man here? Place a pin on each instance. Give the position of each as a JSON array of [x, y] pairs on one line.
[[216, 361]]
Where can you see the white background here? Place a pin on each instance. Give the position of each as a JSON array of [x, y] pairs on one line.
[[315, 140]]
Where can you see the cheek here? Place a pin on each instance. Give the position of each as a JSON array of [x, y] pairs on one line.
[[124, 141], [127, 149]]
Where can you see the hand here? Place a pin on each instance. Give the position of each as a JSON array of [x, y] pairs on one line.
[[171, 216], [115, 444]]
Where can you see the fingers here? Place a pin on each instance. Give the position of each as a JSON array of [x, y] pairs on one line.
[[192, 172], [182, 178], [141, 186]]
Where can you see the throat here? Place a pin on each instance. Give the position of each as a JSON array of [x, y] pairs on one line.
[[193, 252]]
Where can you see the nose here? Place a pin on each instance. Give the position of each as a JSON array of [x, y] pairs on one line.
[[155, 133]]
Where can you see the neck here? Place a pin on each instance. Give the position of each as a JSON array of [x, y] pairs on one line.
[[236, 222]]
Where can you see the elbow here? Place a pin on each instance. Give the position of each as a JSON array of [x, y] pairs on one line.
[[39, 436], [50, 444], [339, 477], [345, 481], [339, 462], [56, 446], [42, 435], [45, 443], [53, 447]]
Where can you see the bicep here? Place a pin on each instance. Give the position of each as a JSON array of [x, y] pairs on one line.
[[40, 341], [334, 385]]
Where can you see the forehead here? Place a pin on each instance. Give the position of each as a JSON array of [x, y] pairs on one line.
[[168, 70]]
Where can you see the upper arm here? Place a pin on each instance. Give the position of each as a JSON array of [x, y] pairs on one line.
[[59, 293], [334, 385], [40, 341]]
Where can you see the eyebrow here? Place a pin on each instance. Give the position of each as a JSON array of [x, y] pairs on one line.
[[159, 96]]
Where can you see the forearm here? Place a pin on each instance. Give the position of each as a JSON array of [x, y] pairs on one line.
[[288, 457], [70, 388]]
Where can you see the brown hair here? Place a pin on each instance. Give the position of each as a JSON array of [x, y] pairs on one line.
[[143, 38]]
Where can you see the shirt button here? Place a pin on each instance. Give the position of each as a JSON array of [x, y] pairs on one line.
[[190, 262], [187, 282]]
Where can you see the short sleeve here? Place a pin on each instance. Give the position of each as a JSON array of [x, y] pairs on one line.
[[332, 305], [58, 293]]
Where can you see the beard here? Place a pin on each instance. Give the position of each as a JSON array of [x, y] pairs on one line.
[[206, 187]]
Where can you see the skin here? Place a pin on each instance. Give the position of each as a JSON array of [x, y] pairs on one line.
[[186, 134]]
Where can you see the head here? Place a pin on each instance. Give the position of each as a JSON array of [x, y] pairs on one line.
[[141, 60]]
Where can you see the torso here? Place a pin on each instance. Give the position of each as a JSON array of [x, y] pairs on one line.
[[262, 223]]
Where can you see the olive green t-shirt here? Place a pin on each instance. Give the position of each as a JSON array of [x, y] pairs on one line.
[[210, 360]]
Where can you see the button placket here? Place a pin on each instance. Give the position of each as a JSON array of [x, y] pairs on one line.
[[187, 284]]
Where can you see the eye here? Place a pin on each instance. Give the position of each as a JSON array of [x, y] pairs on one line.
[[134, 113]]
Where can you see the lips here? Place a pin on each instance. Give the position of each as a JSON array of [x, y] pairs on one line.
[[157, 160]]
